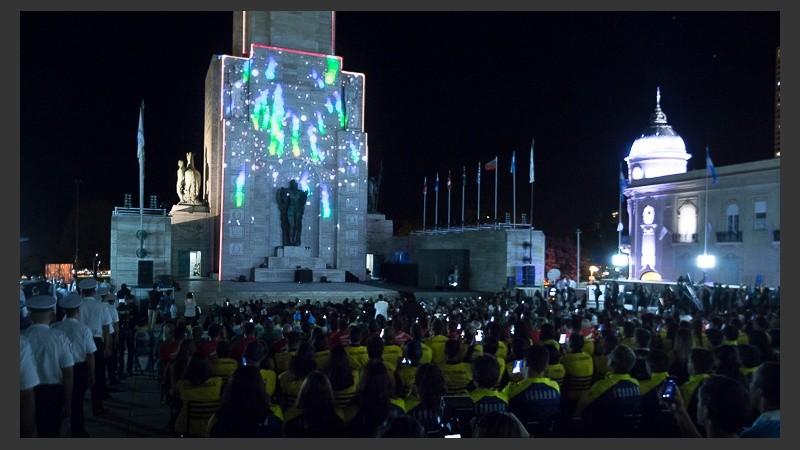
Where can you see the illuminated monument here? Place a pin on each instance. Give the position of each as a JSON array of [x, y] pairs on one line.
[[280, 109]]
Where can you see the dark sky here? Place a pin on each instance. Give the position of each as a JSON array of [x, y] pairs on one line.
[[443, 90]]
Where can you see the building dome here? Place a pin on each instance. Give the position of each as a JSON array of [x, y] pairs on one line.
[[659, 151]]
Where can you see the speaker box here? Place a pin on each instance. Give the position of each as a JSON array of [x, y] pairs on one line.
[[303, 276]]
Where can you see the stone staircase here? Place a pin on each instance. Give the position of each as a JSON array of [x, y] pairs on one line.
[[288, 260]]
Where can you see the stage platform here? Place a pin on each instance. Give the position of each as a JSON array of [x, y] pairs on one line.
[[207, 292]]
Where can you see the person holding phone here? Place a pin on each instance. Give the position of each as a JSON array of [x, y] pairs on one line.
[[536, 399], [723, 408]]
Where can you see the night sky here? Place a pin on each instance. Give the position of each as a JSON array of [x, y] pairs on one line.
[[444, 90]]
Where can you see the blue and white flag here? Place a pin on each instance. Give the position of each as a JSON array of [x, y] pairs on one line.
[[710, 168], [623, 184], [513, 161]]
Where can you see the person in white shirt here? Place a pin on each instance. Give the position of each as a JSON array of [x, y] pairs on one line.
[[83, 349], [28, 380], [382, 307], [190, 309], [52, 351]]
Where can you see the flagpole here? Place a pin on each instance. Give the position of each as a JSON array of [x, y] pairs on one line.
[[436, 190], [705, 214], [463, 191], [619, 216], [514, 189], [478, 214], [495, 191], [449, 190], [424, 200], [141, 234], [530, 225]]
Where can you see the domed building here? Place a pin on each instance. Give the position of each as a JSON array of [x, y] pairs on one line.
[[659, 150], [720, 225]]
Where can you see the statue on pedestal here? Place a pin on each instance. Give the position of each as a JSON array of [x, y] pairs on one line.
[[188, 185], [291, 203]]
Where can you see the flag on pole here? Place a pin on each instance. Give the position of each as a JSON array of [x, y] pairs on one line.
[[478, 178], [513, 160], [464, 176], [449, 181], [491, 165], [710, 167], [140, 156], [530, 172], [436, 183], [709, 229], [140, 136], [623, 184], [425, 185]]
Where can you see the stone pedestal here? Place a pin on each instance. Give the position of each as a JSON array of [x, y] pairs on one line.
[[289, 259]]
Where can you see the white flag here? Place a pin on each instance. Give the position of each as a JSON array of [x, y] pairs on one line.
[[140, 136], [531, 167]]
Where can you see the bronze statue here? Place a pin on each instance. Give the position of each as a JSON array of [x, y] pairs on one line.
[[292, 203]]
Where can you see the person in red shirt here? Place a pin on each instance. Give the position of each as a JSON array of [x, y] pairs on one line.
[[209, 347], [249, 329], [169, 348]]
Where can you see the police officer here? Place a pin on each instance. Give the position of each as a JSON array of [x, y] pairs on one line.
[[96, 316], [83, 348], [52, 351]]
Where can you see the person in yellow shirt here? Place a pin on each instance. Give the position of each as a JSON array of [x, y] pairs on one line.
[[457, 373], [436, 341]]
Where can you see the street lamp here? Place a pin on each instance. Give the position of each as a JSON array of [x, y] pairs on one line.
[[705, 262], [618, 261], [592, 271]]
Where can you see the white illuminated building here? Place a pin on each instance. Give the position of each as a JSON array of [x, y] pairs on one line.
[[676, 216]]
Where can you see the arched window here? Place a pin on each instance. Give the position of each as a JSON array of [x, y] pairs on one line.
[[687, 223]]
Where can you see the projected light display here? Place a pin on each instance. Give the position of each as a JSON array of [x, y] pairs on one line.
[[290, 121]]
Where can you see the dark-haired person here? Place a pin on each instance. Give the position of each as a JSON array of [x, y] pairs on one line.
[[424, 400], [723, 408], [313, 414], [608, 402], [406, 373], [656, 420], [374, 402], [436, 341], [579, 373], [245, 409], [343, 378], [199, 391], [701, 364], [486, 397], [765, 393], [417, 334], [457, 374], [291, 381], [356, 351], [555, 370], [535, 399]]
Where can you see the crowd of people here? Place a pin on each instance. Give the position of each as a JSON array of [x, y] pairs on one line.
[[501, 366]]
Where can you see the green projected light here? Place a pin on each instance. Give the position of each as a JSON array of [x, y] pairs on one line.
[[238, 196], [332, 71]]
